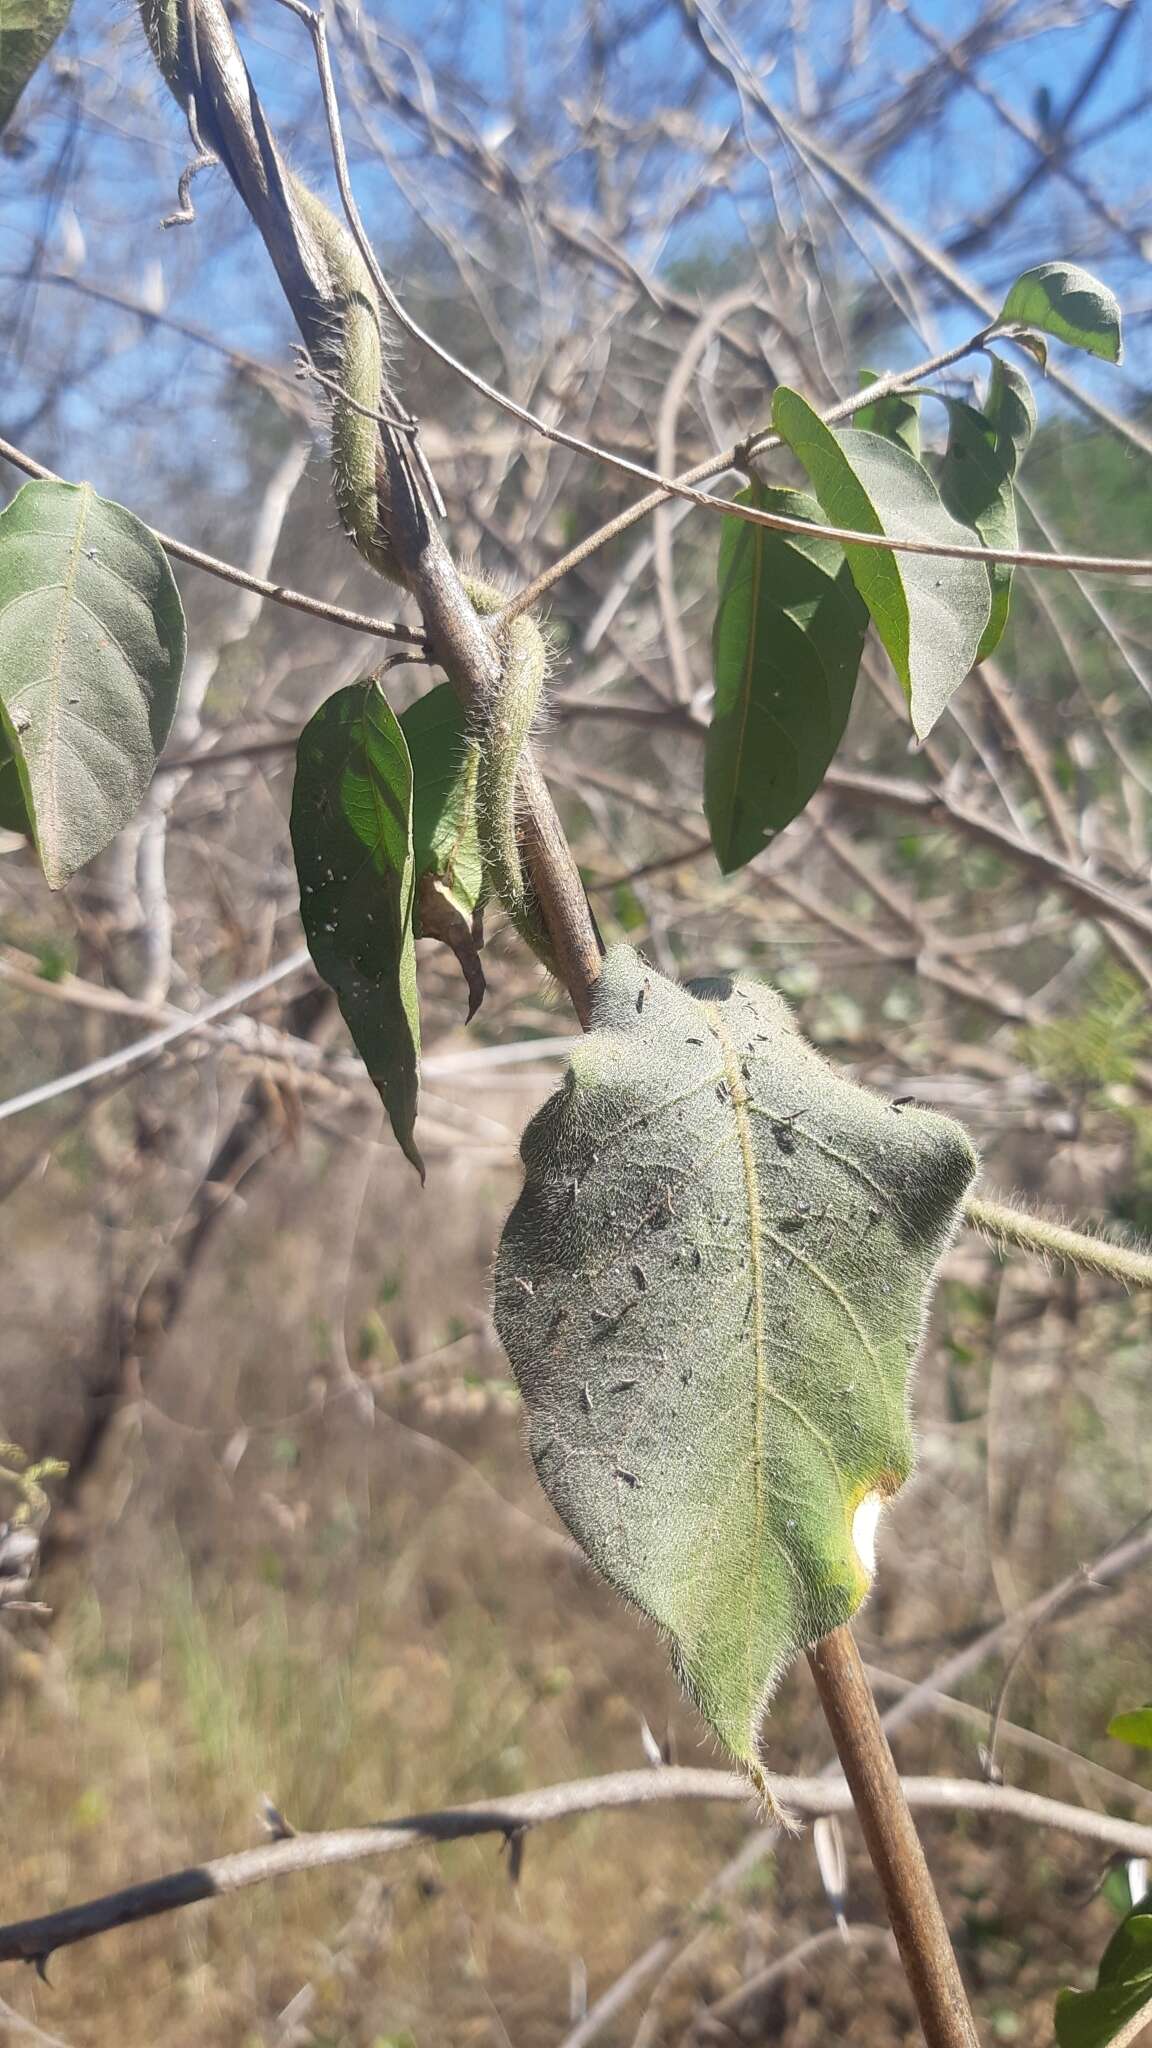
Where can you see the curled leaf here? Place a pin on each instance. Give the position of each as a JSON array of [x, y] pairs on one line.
[[1062, 299], [438, 917]]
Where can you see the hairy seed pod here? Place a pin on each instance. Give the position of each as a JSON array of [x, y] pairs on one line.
[[338, 312], [352, 354], [340, 316], [507, 721]]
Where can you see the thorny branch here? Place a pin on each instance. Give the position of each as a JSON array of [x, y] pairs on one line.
[[37, 1940]]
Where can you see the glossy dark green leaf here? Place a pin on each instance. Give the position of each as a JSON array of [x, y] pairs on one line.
[[1091, 2019], [91, 654], [984, 452], [1062, 299], [712, 1293], [352, 839], [895, 417], [789, 633], [930, 611], [1134, 1727], [28, 29]]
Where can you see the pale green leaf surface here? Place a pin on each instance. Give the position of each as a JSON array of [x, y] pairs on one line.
[[1091, 2019], [352, 840], [789, 633], [1062, 299], [930, 611], [91, 654], [1134, 1727], [28, 29], [711, 1291], [895, 417], [444, 765], [984, 451]]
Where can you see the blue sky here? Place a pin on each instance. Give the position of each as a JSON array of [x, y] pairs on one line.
[[115, 168]]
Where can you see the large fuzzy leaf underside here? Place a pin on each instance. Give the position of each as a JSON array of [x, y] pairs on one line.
[[712, 1291]]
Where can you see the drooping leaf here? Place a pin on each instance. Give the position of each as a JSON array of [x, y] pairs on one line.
[[28, 29], [786, 647], [929, 610], [91, 653], [13, 809], [895, 417], [711, 1290], [1091, 2019], [1062, 299], [984, 452], [1134, 1727], [446, 846], [352, 839]]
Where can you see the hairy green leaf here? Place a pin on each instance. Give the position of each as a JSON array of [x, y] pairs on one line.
[[28, 29], [1090, 2019], [1135, 1727], [711, 1290], [91, 654], [1062, 299], [895, 417], [930, 611], [984, 451], [352, 839], [786, 647], [444, 766]]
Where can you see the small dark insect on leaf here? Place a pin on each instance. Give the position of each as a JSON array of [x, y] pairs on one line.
[[641, 993], [902, 1101]]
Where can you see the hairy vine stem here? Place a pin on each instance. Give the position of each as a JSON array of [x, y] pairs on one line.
[[336, 289], [1021, 1230]]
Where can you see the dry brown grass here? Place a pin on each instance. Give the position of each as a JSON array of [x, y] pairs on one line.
[[359, 1620]]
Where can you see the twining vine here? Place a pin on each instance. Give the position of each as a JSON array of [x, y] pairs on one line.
[[710, 1214]]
